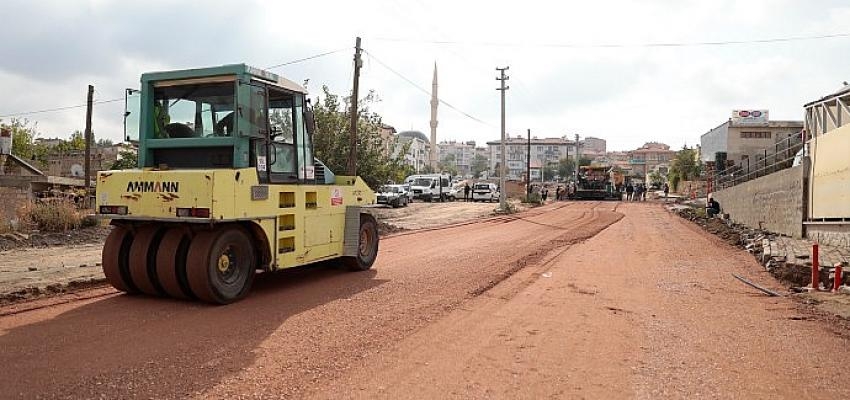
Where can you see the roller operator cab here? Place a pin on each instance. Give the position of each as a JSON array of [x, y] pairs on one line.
[[226, 185]]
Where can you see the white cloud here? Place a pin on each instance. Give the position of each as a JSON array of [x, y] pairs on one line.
[[53, 49]]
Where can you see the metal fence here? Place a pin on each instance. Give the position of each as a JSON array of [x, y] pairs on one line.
[[780, 157]]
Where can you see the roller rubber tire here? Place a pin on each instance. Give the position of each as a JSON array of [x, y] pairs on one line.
[[367, 246], [116, 252], [204, 263], [142, 264], [171, 264]]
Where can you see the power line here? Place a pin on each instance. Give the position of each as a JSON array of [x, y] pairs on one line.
[[327, 53], [58, 108], [122, 99], [620, 45], [423, 90]]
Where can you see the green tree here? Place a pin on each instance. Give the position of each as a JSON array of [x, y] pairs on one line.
[[24, 144], [656, 179], [479, 165], [128, 159], [23, 137], [549, 171], [449, 164], [332, 140], [685, 166], [566, 168]]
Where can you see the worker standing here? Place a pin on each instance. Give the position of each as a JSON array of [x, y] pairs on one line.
[[466, 191]]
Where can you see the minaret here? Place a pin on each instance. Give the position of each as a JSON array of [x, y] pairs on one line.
[[434, 102]]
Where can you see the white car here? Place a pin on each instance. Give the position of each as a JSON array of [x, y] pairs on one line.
[[483, 191], [393, 196]]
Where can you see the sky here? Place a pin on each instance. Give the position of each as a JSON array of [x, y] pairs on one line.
[[587, 68]]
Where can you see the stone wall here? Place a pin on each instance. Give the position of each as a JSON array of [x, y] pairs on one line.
[[773, 202], [835, 234], [11, 199]]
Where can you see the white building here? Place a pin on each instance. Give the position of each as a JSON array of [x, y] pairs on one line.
[[544, 151], [462, 154], [417, 155]]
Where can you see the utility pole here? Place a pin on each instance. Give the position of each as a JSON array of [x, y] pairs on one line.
[[352, 154], [502, 170], [528, 168], [578, 158], [87, 164]]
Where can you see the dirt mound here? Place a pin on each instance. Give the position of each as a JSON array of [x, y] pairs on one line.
[[716, 226], [29, 293], [97, 234], [385, 228]]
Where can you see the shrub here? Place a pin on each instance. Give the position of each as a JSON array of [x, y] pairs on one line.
[[534, 198], [53, 216]]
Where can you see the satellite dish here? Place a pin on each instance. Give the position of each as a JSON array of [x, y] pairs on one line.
[[77, 170]]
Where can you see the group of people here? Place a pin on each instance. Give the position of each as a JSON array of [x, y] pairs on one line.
[[561, 192], [635, 192]]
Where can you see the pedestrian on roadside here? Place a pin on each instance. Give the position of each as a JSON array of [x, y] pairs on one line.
[[643, 190], [466, 190], [558, 193], [630, 190], [712, 208], [666, 191], [544, 193]]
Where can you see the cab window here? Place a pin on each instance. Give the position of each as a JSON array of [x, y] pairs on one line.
[[194, 111]]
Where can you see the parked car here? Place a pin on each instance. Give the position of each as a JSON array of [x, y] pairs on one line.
[[393, 195], [456, 192], [483, 191]]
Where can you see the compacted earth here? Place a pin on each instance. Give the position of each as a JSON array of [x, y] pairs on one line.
[[569, 300]]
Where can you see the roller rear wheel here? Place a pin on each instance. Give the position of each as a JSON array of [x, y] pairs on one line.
[[171, 264], [221, 264], [115, 261], [367, 247], [143, 260]]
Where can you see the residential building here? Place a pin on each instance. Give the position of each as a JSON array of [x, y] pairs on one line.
[[388, 137], [418, 150], [591, 147], [546, 151], [747, 137], [71, 164], [460, 154], [648, 157]]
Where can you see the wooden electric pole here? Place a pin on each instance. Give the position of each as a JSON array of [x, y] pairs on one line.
[[87, 163], [352, 155]]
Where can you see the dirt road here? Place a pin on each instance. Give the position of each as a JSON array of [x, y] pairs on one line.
[[509, 307], [49, 263]]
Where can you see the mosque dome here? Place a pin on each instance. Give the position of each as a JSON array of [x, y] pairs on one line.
[[415, 134]]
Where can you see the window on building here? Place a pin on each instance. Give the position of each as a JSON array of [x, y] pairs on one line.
[[756, 135]]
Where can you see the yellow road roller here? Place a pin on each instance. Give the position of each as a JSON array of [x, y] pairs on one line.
[[227, 185]]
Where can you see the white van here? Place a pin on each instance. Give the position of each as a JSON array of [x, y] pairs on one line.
[[429, 187]]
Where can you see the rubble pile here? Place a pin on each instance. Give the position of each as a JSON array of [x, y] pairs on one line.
[[787, 259]]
